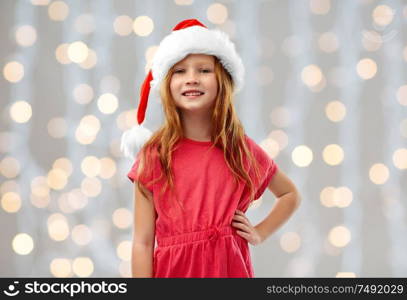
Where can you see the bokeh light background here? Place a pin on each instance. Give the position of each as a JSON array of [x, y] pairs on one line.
[[325, 96]]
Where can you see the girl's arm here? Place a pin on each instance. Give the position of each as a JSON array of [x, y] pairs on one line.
[[143, 235], [288, 200]]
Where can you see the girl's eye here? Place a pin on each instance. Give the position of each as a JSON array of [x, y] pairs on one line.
[[201, 70]]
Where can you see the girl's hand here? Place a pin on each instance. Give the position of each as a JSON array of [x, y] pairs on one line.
[[245, 228]]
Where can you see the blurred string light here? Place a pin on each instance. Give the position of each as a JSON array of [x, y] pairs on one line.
[[9, 186], [143, 26], [58, 228], [76, 52], [58, 11], [124, 250], [217, 13], [122, 218], [10, 167], [271, 147], [20, 111], [379, 173], [41, 190], [183, 2], [83, 93], [13, 71], [290, 242], [90, 166], [87, 130], [366, 68], [82, 266], [23, 244], [81, 234], [336, 197], [61, 54], [108, 168], [372, 40], [383, 15], [280, 137], [107, 103], [345, 275], [149, 58], [400, 158], [26, 35], [123, 25], [302, 156], [333, 154], [328, 42], [40, 201], [40, 2], [61, 267], [11, 202], [57, 179], [402, 95], [313, 77], [339, 236], [335, 111], [90, 60], [64, 164], [125, 269], [70, 202], [320, 7], [91, 186]]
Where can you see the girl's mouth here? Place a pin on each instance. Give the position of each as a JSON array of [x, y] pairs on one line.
[[192, 95]]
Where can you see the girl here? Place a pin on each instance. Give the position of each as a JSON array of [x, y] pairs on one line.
[[195, 177]]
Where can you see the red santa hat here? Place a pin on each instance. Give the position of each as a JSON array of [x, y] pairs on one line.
[[188, 37]]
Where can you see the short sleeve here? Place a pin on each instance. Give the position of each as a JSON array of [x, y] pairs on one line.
[[134, 176], [267, 167]]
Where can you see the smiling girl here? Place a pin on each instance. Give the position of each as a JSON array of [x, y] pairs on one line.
[[196, 176]]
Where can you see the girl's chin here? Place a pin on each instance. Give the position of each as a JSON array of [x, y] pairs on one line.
[[194, 107]]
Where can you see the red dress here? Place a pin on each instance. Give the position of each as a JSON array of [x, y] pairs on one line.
[[199, 241]]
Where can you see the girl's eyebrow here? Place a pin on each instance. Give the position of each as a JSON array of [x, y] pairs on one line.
[[198, 64]]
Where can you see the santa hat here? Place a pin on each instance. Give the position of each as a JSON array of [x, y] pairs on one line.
[[188, 37]]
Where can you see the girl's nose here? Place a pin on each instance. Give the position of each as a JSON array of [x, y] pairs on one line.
[[192, 81], [192, 77]]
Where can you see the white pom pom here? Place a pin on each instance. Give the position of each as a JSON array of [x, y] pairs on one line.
[[134, 139]]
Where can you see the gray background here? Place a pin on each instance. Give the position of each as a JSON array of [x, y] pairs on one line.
[[262, 31]]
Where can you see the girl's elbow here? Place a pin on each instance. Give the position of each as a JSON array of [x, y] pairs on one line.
[[144, 241]]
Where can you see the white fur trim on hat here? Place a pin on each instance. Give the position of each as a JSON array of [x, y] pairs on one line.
[[194, 40]]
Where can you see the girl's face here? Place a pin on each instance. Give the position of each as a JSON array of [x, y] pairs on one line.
[[193, 84]]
